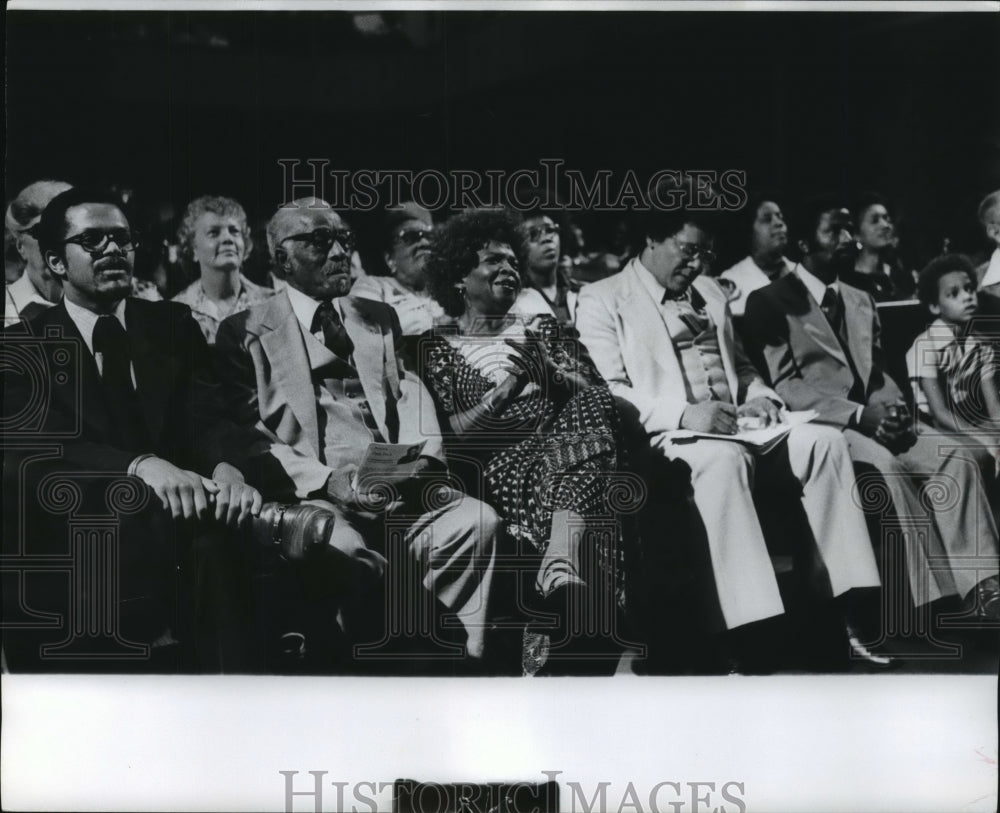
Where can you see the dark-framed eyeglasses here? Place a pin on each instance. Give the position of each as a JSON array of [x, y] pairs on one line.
[[410, 237], [96, 241], [536, 233], [692, 251], [322, 240]]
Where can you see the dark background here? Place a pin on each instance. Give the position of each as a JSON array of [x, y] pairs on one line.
[[180, 104]]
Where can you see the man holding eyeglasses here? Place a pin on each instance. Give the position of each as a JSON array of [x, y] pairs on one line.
[[317, 373], [661, 335], [408, 240], [139, 400]]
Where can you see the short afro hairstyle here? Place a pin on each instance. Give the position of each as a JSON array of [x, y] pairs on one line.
[[455, 251], [930, 276], [52, 225], [672, 208]]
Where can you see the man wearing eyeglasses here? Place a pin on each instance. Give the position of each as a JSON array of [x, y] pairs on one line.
[[662, 337], [408, 241], [138, 401], [546, 288], [318, 374]]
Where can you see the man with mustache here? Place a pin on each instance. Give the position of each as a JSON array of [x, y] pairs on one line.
[[819, 339], [662, 336], [317, 373], [139, 400]]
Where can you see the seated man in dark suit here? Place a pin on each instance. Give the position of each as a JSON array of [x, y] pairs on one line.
[[139, 403], [317, 374], [820, 341]]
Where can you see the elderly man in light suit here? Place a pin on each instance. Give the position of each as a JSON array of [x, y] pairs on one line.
[[664, 341], [316, 372]]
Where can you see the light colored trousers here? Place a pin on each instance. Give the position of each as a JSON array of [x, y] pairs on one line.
[[722, 478]]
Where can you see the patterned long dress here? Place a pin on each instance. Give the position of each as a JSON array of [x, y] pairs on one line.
[[544, 452]]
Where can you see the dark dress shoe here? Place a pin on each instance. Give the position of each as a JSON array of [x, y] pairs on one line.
[[983, 603], [296, 530]]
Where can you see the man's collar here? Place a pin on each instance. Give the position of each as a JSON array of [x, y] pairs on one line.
[[304, 306], [992, 275], [815, 286], [657, 292], [85, 320]]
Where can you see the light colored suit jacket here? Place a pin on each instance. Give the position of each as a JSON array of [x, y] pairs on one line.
[[624, 331], [266, 361], [805, 361]]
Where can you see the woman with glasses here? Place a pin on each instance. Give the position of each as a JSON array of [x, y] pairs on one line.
[[522, 398], [407, 241], [36, 288], [215, 240], [547, 287]]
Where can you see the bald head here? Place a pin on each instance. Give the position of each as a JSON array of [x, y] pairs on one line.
[[311, 248], [299, 217], [23, 215]]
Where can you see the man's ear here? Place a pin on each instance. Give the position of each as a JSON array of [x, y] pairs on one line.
[[993, 232], [389, 262], [935, 309], [55, 263], [280, 260], [803, 248]]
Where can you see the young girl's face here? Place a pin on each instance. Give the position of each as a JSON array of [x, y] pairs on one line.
[[956, 298]]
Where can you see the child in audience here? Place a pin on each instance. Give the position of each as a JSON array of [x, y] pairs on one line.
[[952, 367]]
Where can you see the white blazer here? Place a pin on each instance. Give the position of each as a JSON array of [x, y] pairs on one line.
[[623, 329]]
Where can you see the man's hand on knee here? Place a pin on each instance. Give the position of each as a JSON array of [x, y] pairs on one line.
[[185, 494]]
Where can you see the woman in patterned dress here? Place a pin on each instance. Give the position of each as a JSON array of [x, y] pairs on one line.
[[522, 397]]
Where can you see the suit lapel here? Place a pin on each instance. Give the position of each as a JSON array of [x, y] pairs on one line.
[[372, 356], [153, 370], [91, 406], [284, 346], [638, 310], [858, 317], [815, 323]]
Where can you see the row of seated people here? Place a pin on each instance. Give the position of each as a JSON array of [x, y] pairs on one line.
[[298, 387]]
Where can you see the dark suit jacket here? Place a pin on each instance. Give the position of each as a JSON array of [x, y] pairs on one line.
[[802, 357], [177, 393]]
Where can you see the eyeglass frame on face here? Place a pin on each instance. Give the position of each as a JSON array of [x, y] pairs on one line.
[[536, 233], [128, 243], [404, 236], [343, 236], [706, 255]]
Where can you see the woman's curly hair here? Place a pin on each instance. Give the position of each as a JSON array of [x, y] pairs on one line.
[[216, 204], [455, 251]]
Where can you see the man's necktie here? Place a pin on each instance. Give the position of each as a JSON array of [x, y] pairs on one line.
[[334, 333], [124, 409], [833, 309]]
